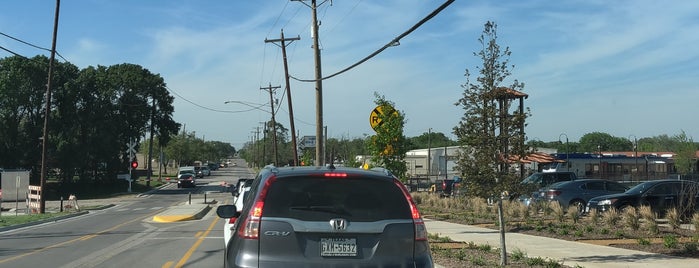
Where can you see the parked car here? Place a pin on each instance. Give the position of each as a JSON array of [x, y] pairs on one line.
[[327, 217], [660, 195], [531, 188], [450, 187], [239, 193], [577, 193], [186, 180]]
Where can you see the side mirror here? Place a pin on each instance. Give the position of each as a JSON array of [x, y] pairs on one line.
[[234, 191], [226, 211]]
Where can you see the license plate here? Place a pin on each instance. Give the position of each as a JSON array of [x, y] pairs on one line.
[[338, 247]]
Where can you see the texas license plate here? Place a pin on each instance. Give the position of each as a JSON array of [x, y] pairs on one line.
[[338, 247]]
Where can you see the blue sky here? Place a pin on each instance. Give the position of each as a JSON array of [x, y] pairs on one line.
[[627, 68]]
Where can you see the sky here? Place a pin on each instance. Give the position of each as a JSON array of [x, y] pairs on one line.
[[628, 68]]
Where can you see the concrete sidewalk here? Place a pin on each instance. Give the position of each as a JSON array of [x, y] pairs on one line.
[[571, 253]]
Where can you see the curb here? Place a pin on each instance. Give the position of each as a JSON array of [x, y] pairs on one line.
[[183, 217], [55, 219]]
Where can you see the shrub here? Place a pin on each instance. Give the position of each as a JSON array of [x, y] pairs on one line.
[[695, 221], [518, 255], [670, 241], [525, 212], [691, 247], [673, 218], [647, 214], [512, 209], [612, 217], [643, 241], [574, 214], [557, 211], [631, 219], [594, 216]]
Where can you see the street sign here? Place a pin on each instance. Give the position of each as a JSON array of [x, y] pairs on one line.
[[377, 113], [308, 142]]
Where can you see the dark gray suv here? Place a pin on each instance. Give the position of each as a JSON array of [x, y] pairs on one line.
[[327, 217]]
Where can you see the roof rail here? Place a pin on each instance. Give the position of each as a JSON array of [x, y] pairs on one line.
[[383, 170]]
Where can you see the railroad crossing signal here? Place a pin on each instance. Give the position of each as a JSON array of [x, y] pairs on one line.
[[131, 150], [134, 164]]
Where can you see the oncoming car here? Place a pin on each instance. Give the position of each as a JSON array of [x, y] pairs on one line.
[[326, 217], [186, 180]]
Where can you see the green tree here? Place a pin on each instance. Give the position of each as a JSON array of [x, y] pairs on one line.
[[431, 140], [685, 157], [345, 150], [598, 141], [389, 145], [488, 137]]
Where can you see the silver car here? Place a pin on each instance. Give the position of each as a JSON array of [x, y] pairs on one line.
[[327, 217], [577, 193]]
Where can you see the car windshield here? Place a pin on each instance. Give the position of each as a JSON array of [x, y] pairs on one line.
[[640, 188], [557, 184], [534, 178]]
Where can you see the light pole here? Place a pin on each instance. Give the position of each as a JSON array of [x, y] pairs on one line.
[[635, 155], [429, 147], [599, 149], [567, 149]]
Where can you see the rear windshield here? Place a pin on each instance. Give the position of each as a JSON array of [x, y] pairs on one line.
[[319, 199]]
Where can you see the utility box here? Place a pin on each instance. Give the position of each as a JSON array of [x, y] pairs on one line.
[[14, 184]]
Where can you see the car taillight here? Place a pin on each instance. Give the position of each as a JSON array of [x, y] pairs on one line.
[[420, 230], [553, 193], [444, 185], [232, 220], [251, 226]]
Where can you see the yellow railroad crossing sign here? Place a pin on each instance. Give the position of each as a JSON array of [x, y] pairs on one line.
[[377, 113]]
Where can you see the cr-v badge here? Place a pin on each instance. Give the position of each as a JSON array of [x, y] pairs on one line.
[[338, 224]]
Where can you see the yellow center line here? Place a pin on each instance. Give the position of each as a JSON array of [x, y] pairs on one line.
[[82, 238], [194, 247]]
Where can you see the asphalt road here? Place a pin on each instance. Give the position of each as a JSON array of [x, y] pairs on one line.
[[125, 235]]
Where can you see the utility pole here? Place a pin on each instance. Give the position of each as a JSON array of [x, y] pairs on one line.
[[319, 84], [150, 146], [45, 138], [288, 92], [271, 89]]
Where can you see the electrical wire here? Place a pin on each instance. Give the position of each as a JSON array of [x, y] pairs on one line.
[[29, 44], [12, 52], [207, 108], [393, 42]]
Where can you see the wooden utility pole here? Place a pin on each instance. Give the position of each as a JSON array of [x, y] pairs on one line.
[[45, 137], [271, 89], [319, 84], [288, 92]]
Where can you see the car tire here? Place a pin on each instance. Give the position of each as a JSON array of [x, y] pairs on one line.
[[580, 204]]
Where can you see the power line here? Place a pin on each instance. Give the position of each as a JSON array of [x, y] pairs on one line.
[[29, 44], [394, 42], [207, 108], [12, 52]]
